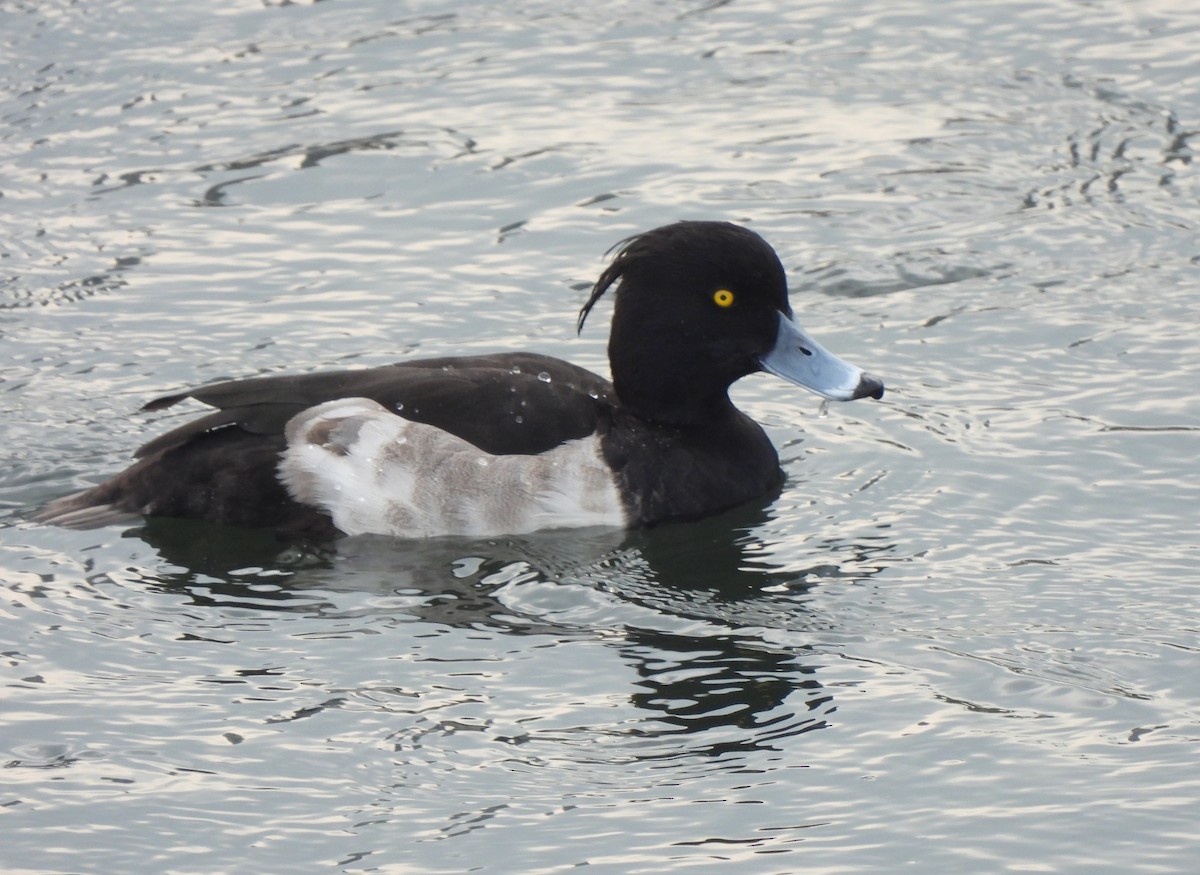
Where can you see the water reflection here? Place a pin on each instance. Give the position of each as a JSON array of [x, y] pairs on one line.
[[709, 686], [681, 607], [719, 570]]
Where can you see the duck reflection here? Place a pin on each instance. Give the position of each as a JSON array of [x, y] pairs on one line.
[[688, 608]]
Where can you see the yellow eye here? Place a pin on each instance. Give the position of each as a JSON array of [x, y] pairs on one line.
[[723, 298]]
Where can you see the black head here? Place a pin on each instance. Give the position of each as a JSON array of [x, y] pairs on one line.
[[697, 307]]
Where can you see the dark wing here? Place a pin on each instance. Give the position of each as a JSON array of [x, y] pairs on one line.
[[507, 403]]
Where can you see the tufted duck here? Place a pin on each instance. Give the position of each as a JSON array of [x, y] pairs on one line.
[[512, 442]]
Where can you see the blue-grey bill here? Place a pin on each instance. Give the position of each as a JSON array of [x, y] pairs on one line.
[[799, 359]]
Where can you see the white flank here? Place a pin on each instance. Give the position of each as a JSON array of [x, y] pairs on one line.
[[375, 472]]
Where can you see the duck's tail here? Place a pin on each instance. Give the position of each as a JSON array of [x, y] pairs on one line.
[[88, 509]]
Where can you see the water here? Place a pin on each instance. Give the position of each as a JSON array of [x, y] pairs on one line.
[[965, 636]]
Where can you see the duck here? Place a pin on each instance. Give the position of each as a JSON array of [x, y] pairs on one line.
[[511, 442]]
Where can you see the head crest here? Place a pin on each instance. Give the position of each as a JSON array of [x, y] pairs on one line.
[[611, 274]]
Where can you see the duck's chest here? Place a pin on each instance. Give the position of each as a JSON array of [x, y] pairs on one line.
[[665, 474]]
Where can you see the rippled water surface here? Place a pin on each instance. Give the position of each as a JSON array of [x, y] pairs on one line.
[[965, 638]]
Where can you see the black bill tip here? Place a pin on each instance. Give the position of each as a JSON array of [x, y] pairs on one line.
[[869, 386]]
